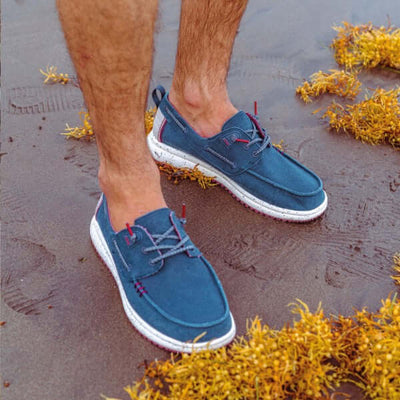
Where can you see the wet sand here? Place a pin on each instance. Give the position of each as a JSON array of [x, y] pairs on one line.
[[66, 336]]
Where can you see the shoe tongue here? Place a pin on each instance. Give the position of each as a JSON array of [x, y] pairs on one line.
[[239, 120], [155, 222]]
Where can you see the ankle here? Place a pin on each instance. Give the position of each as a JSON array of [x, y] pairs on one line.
[[205, 110], [129, 198]]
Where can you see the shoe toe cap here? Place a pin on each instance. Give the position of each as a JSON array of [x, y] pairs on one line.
[[185, 299], [282, 181]]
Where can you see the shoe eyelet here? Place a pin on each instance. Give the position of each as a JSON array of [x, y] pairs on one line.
[[134, 240], [144, 251], [255, 153], [246, 146], [138, 236], [152, 263]]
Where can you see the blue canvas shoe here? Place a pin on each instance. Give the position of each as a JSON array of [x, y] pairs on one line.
[[242, 159], [169, 291]]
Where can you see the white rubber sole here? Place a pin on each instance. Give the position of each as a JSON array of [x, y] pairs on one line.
[[167, 154], [141, 325]]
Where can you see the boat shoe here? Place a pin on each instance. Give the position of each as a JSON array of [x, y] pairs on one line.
[[242, 159], [169, 291]]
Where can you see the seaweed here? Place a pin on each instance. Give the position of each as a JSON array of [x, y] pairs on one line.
[[367, 46], [51, 76], [308, 360], [341, 83], [374, 120]]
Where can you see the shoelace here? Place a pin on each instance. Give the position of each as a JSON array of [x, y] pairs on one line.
[[172, 250], [255, 137]]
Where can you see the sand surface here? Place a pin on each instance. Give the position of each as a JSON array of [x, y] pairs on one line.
[[66, 336]]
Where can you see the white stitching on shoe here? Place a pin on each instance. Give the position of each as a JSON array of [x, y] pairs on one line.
[[183, 127], [120, 256], [221, 157]]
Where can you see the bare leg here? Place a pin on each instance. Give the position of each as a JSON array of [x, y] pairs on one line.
[[111, 45], [207, 32]]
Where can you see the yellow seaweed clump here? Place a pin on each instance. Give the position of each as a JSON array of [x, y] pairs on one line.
[[301, 362], [80, 132], [367, 46], [341, 83], [177, 175], [266, 364], [52, 76], [374, 120], [373, 343]]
